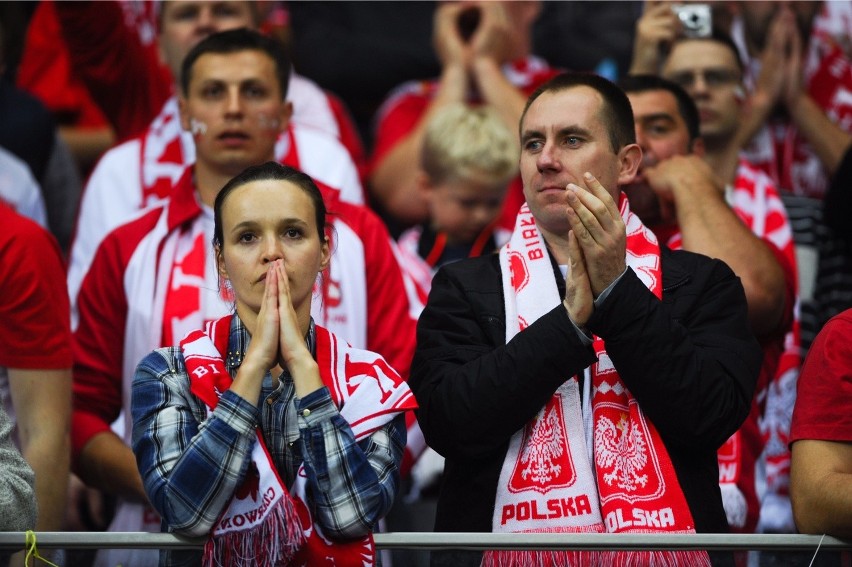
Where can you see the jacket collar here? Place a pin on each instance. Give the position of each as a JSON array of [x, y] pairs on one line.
[[183, 200], [675, 273]]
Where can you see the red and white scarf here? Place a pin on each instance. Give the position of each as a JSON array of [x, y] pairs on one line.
[[567, 471], [264, 523]]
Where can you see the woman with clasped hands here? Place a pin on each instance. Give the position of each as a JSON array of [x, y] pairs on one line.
[[264, 432]]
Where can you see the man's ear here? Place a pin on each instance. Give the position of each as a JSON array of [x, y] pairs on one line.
[[284, 116], [184, 114], [629, 159]]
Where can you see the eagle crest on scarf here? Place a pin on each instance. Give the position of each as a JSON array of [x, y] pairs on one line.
[[622, 447], [545, 447]]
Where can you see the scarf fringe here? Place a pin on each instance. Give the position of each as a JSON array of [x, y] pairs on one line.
[[564, 558], [274, 542]]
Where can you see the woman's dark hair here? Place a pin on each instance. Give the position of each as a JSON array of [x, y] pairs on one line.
[[269, 171]]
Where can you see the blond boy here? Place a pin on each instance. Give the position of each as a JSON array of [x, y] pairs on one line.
[[467, 161]]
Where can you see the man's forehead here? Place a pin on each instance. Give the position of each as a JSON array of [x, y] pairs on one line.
[[573, 106], [656, 103], [242, 6], [698, 54], [251, 63]]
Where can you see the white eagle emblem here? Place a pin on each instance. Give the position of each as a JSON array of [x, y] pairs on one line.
[[621, 447], [544, 447]]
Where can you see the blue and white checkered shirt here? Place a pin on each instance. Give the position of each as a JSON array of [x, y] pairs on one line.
[[191, 464]]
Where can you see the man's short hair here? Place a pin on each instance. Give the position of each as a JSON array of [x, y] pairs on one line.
[[685, 105], [461, 141], [234, 41], [616, 111], [719, 36]]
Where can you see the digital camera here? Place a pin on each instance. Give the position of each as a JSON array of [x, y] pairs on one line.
[[697, 19]]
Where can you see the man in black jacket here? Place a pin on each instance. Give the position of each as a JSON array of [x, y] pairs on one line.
[[601, 412]]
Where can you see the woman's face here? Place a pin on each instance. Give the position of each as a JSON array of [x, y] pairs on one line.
[[263, 221]]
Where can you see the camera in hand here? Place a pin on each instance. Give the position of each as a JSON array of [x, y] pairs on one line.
[[468, 22], [697, 19]]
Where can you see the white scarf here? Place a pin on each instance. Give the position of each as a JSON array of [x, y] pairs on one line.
[[552, 480]]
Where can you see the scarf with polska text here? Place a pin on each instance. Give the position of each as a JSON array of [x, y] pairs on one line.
[[264, 523], [570, 472]]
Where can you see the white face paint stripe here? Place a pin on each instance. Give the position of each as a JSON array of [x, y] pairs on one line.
[[265, 121], [197, 126]]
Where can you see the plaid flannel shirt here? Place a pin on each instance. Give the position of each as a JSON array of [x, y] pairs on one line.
[[191, 463]]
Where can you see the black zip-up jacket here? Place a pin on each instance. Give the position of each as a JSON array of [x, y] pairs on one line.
[[690, 361]]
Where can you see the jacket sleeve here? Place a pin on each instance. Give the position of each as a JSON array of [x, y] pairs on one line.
[[390, 325], [98, 347], [473, 390], [690, 360]]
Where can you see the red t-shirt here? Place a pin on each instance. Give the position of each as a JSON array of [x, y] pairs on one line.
[[34, 307], [824, 391]]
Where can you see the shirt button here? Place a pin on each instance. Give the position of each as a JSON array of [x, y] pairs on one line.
[[306, 412], [270, 401]]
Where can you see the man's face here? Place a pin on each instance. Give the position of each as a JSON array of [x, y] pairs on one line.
[[708, 71], [661, 132], [564, 135], [234, 109], [185, 23]]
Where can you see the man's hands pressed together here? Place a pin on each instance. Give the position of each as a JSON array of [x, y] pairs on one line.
[[597, 247]]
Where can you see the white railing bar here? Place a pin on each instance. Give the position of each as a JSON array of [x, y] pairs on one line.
[[477, 541]]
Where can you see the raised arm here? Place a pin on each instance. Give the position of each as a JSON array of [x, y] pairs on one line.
[[709, 226], [656, 29], [393, 177]]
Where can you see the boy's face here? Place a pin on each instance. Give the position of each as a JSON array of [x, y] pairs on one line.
[[463, 208]]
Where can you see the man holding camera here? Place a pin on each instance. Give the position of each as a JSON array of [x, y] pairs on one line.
[[484, 49]]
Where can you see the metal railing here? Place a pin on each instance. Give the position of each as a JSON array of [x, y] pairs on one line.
[[13, 541]]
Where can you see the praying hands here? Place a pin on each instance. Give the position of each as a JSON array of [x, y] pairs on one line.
[[597, 247]]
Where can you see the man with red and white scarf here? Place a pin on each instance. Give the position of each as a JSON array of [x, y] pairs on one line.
[[702, 202], [583, 380], [153, 279], [140, 171]]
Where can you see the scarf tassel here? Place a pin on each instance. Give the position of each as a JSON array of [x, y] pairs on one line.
[[565, 558], [274, 542]]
